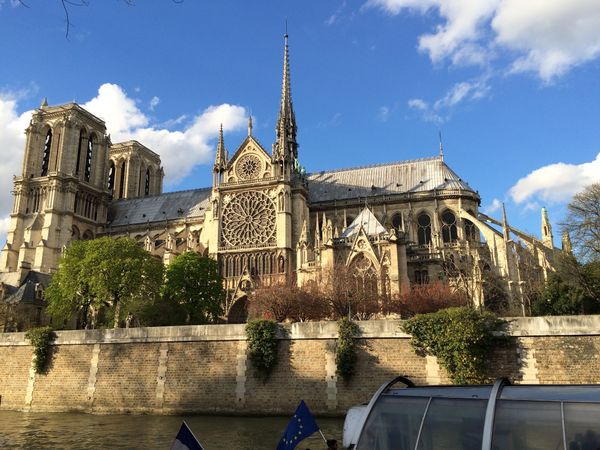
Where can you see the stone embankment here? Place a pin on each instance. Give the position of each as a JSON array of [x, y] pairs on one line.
[[204, 369]]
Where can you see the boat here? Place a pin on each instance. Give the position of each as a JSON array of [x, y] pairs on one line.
[[499, 416]]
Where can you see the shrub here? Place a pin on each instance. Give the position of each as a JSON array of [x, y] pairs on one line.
[[346, 350], [426, 298], [287, 301], [460, 338], [41, 339], [262, 345]]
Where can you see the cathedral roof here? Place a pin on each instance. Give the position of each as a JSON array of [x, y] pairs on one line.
[[168, 206], [417, 175]]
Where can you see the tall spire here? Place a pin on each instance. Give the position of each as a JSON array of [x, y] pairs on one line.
[[505, 228], [547, 236], [441, 147], [221, 156], [250, 125], [285, 147]]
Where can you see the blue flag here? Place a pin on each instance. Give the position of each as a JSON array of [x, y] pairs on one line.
[[300, 426], [185, 440]]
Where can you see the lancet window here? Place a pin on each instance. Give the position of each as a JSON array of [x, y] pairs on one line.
[[79, 149], [46, 154], [397, 222], [449, 231], [111, 176], [122, 179], [88, 159], [147, 183], [424, 229], [470, 229]]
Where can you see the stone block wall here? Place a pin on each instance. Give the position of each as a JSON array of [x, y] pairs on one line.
[[205, 369]]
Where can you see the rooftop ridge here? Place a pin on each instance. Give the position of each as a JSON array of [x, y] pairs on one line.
[[369, 166], [164, 194]]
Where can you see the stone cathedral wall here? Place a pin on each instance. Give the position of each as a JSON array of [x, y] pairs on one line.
[[204, 369]]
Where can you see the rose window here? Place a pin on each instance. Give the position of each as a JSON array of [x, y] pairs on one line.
[[248, 167], [249, 220]]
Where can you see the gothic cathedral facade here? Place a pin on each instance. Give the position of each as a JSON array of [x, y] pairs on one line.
[[264, 219]]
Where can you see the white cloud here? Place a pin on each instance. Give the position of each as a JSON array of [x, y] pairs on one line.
[[180, 150], [417, 103], [154, 101], [556, 183], [545, 37], [336, 15], [551, 36], [383, 113], [439, 111], [120, 112], [12, 143], [493, 207]]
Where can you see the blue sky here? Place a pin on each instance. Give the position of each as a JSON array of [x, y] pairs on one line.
[[512, 86]]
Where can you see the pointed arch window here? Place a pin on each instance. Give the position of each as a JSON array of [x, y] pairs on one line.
[[111, 176], [122, 179], [397, 222], [46, 154], [79, 150], [88, 159], [449, 231], [470, 229], [147, 183], [424, 229]]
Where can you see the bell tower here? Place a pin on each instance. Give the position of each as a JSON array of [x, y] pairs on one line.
[[62, 192]]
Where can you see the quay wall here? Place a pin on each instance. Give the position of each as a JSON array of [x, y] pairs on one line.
[[205, 369]]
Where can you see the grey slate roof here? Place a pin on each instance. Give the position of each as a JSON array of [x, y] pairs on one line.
[[367, 220], [418, 175], [25, 294], [168, 206]]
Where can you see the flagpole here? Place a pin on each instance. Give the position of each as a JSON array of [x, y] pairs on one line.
[[323, 436]]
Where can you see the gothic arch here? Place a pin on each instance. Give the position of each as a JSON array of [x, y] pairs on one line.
[[46, 150], [83, 134], [90, 150], [449, 227], [424, 227], [75, 233]]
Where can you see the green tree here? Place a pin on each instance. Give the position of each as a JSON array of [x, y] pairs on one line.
[[116, 275], [559, 298], [193, 281]]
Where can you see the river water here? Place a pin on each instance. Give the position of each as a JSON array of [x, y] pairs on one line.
[[86, 431]]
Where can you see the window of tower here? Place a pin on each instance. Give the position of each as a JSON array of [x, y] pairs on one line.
[[449, 231], [147, 182], [88, 159], [397, 222], [79, 150], [46, 155], [424, 229], [122, 179], [111, 176]]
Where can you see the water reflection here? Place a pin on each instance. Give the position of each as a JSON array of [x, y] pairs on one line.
[[86, 431]]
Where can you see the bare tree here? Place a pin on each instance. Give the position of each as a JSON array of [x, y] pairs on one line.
[[583, 223], [67, 4]]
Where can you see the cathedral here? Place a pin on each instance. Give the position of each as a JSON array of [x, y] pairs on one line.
[[264, 219]]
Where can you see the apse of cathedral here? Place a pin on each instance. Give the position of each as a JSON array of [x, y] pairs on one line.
[[264, 219]]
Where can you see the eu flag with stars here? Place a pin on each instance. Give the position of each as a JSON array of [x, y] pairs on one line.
[[300, 426]]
